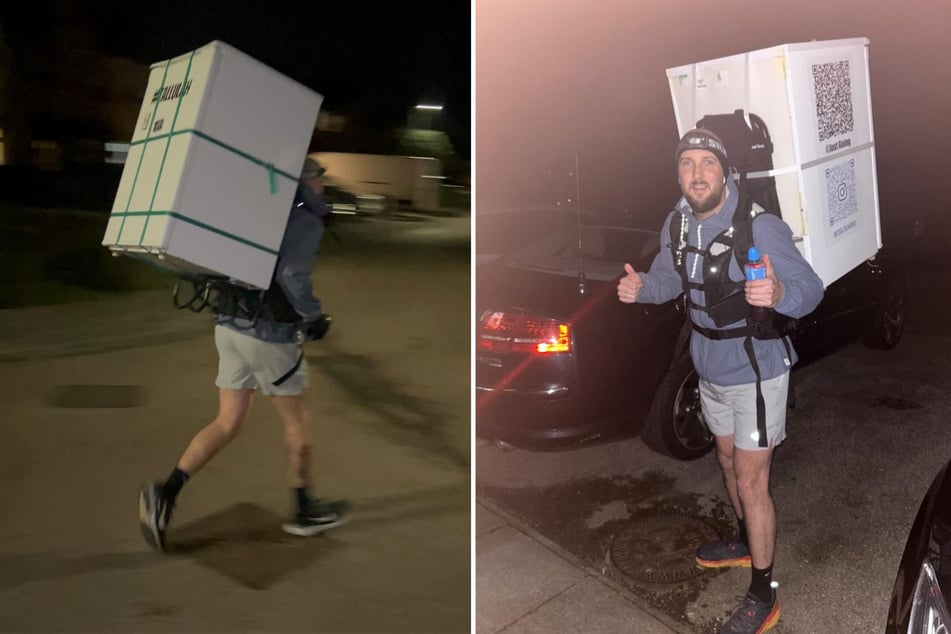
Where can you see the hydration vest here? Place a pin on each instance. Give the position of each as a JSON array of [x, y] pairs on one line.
[[724, 297]]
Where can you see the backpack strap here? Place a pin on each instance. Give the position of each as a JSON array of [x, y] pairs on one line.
[[678, 245], [762, 440], [746, 211]]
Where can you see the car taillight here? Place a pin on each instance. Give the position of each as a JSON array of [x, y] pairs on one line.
[[517, 332]]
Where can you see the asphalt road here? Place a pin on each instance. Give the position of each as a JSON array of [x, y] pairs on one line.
[[867, 436], [106, 404]]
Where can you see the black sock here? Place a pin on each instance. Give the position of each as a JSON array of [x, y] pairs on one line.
[[761, 586], [741, 535], [303, 499], [176, 480]]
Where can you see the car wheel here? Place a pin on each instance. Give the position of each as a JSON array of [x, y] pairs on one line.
[[675, 425], [889, 321]]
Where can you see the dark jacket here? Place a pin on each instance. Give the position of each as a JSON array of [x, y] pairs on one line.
[[295, 261]]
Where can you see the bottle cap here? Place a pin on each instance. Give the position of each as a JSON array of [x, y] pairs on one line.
[[753, 254]]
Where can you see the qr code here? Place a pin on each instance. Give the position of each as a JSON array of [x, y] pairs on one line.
[[833, 98], [840, 186]]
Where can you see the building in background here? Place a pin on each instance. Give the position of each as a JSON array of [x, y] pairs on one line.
[[67, 112], [61, 99]]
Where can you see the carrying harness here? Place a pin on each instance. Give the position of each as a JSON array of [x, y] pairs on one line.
[[724, 297], [229, 299]]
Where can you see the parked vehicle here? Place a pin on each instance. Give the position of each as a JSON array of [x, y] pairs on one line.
[[412, 181], [560, 362], [346, 203], [919, 603], [501, 233]]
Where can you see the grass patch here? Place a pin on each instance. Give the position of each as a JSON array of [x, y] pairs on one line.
[[55, 256]]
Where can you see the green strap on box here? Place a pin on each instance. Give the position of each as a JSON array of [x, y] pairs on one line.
[[197, 223], [272, 171], [138, 167]]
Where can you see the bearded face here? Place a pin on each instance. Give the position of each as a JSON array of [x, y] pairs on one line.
[[702, 182]]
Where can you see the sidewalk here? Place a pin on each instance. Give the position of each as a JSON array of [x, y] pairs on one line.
[[525, 583]]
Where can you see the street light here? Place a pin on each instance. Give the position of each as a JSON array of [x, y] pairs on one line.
[[425, 116]]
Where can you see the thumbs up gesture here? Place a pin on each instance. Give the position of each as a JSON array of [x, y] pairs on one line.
[[629, 286]]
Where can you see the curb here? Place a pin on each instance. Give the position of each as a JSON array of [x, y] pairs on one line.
[[637, 602]]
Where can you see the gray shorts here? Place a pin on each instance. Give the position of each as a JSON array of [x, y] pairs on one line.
[[246, 363], [731, 411]]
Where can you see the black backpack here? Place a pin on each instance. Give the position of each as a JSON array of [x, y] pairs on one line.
[[750, 149]]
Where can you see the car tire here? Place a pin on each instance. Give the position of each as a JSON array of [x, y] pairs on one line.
[[675, 425], [889, 321]]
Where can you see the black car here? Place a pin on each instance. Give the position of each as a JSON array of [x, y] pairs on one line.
[[561, 362], [919, 601]]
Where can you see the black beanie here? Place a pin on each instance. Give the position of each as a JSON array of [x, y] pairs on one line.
[[703, 139]]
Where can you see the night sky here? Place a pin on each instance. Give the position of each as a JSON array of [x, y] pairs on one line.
[[380, 57], [555, 79]]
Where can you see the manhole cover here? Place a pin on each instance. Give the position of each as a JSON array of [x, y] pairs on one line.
[[95, 396], [661, 548]]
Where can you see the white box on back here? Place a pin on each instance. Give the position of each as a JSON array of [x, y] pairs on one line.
[[213, 166], [815, 100]]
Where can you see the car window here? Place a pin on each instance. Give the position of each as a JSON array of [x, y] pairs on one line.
[[502, 233], [601, 250]]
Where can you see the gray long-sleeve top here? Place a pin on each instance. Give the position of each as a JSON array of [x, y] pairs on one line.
[[724, 361]]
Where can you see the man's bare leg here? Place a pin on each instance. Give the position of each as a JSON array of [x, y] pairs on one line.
[[157, 499], [725, 455], [296, 422], [313, 515], [233, 406], [752, 486]]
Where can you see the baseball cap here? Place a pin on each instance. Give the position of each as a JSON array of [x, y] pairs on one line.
[[311, 169]]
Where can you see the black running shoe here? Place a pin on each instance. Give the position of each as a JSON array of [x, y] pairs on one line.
[[320, 515], [154, 513], [752, 616]]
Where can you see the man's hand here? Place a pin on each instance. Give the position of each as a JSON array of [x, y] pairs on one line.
[[629, 285], [316, 329], [767, 292]]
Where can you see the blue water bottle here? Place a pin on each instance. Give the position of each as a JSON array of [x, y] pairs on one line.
[[755, 269]]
